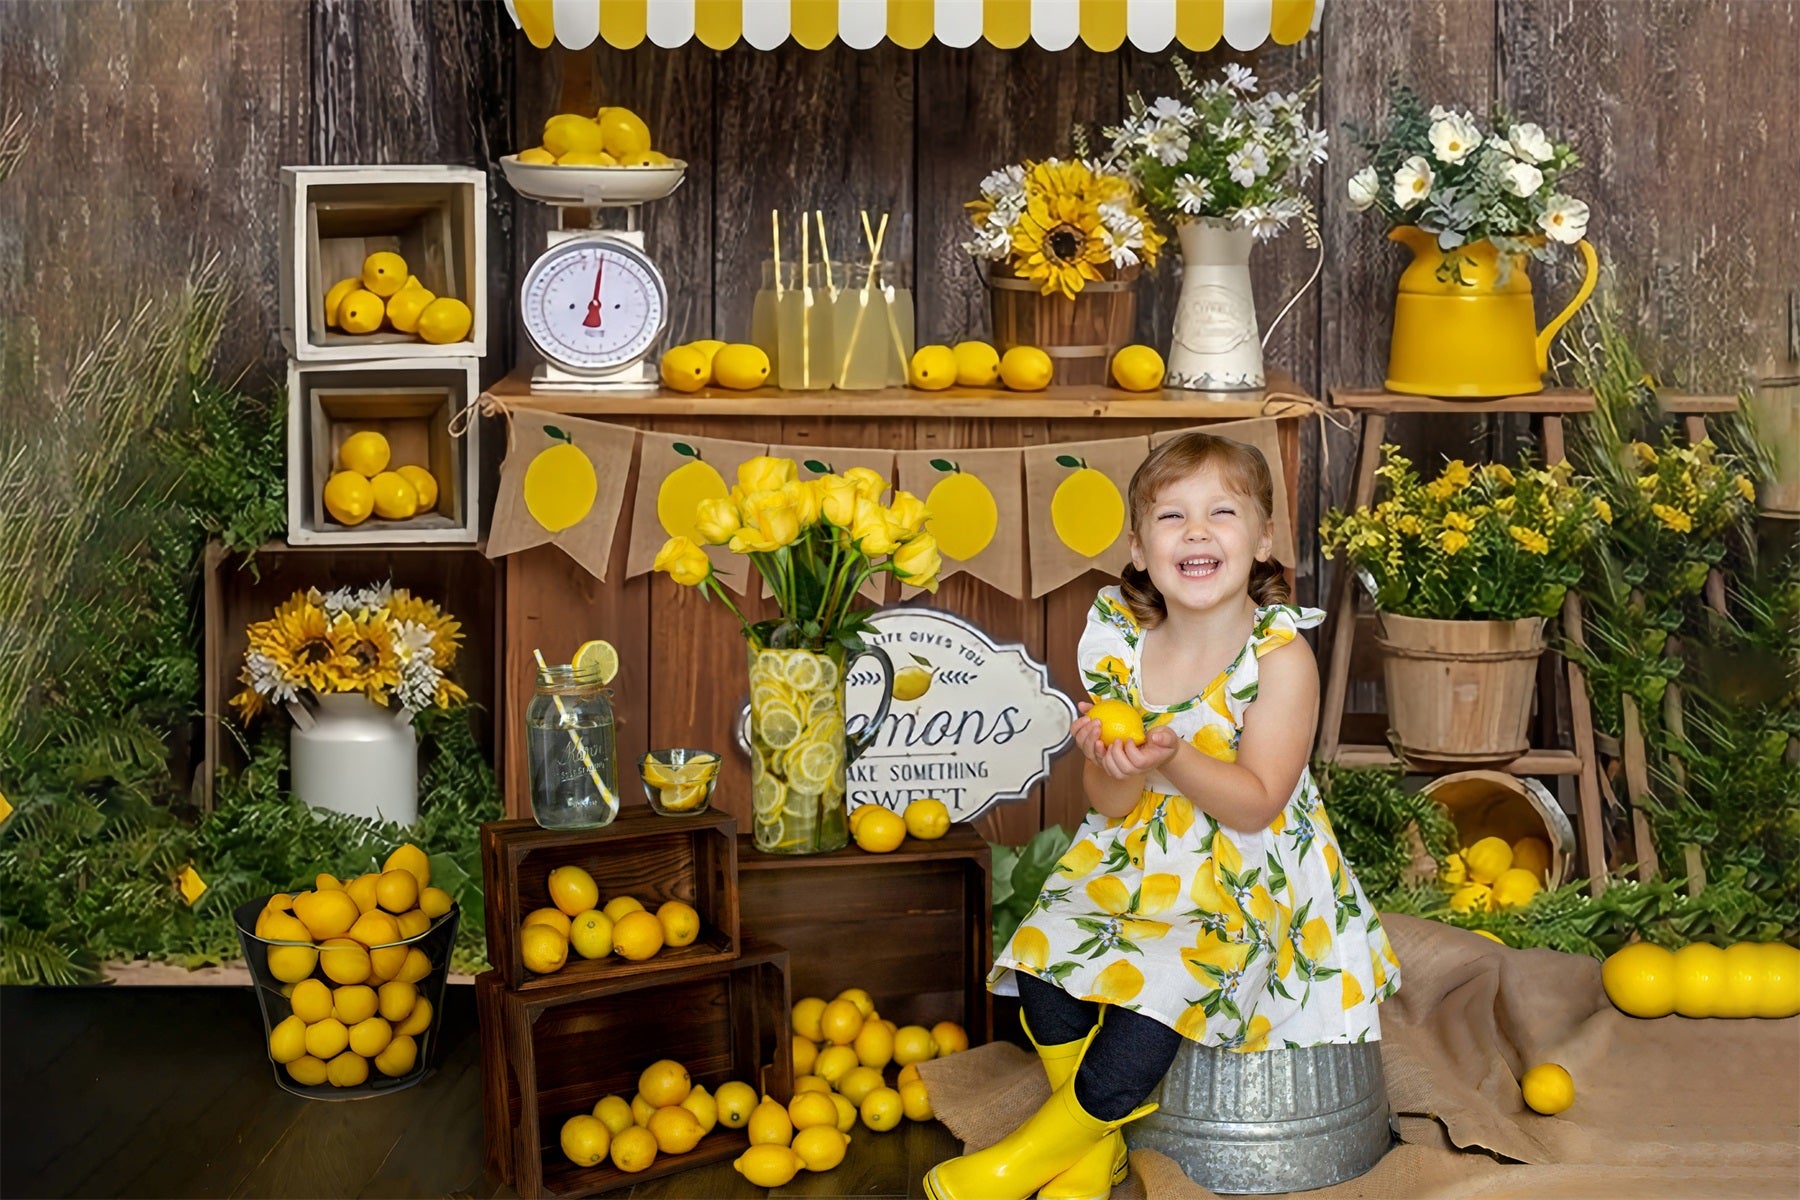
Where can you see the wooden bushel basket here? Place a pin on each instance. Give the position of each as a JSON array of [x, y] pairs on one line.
[[1491, 804], [1080, 335], [1460, 691]]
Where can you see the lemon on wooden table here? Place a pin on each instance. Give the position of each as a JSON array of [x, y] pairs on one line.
[[807, 1109], [927, 819], [858, 1082], [1117, 720], [335, 297], [1488, 859], [1026, 369], [736, 1100], [768, 1165], [614, 1112], [675, 1129], [835, 1062], [537, 156], [1741, 993], [740, 367], [618, 906], [908, 1073], [933, 368], [880, 832], [634, 1149], [384, 273], [709, 349], [913, 1044], [859, 997], [623, 132], [820, 1147], [1548, 1089], [599, 656], [349, 498], [808, 1011], [949, 1037], [846, 1113], [874, 1045], [445, 320], [543, 949], [1087, 512], [1138, 369], [881, 1109], [803, 1053], [361, 311], [680, 923], [915, 1102], [641, 1110], [404, 307], [770, 1124], [590, 933], [810, 1083], [573, 890], [705, 1108], [395, 499], [977, 364], [841, 1022], [585, 1140], [685, 369], [1781, 981], [637, 936]]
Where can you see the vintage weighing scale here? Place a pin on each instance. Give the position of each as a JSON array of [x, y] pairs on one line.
[[594, 303]]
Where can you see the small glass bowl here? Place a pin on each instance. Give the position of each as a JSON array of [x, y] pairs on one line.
[[679, 782]]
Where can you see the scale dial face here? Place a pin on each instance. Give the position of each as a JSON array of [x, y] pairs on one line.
[[594, 305]]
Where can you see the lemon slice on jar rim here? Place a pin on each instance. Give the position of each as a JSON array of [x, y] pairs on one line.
[[598, 655]]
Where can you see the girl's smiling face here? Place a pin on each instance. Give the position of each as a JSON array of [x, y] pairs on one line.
[[1199, 540]]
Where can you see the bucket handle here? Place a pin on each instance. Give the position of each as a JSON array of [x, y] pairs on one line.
[[1319, 267], [1562, 318]]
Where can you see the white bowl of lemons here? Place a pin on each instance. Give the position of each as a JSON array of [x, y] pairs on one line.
[[600, 160]]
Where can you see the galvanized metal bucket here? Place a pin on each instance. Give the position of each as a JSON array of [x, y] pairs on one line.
[[1271, 1121]]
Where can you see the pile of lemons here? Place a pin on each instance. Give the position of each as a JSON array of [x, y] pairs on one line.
[[669, 1115], [364, 485], [880, 830], [1492, 875], [577, 921], [707, 363], [388, 293], [351, 983], [1021, 369], [612, 137]]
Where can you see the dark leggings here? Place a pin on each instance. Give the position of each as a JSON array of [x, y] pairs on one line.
[[1127, 1059]]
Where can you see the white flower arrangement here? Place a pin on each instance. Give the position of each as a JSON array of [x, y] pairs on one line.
[[1439, 170], [1223, 151]]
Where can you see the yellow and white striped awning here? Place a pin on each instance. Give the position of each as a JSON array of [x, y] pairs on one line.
[[1053, 24]]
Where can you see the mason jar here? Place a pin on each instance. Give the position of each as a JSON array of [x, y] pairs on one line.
[[570, 744]]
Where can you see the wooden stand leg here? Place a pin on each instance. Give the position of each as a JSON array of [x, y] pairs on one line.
[[1343, 597]]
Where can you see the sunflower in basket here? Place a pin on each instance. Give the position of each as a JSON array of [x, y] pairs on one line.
[[1061, 224]]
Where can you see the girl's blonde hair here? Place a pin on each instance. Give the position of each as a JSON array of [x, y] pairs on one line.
[[1243, 470]]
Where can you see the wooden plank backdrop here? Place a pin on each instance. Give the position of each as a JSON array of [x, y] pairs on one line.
[[156, 127]]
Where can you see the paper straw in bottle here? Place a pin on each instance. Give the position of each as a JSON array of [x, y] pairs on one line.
[[612, 801]]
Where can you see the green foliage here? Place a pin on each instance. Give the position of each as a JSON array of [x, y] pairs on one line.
[[1371, 812], [1019, 873]]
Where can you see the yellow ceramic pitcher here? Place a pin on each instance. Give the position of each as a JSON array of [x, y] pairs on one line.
[[1473, 339]]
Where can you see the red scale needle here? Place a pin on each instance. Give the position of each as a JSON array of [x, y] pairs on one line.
[[592, 320]]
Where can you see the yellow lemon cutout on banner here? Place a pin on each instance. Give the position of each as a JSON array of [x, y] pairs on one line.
[[960, 512], [560, 484], [1086, 510], [682, 491]]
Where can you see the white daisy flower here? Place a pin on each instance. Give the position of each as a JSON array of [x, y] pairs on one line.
[[1454, 138], [1412, 182], [1530, 143], [1365, 189], [1240, 78], [1565, 218], [1007, 181], [1248, 164], [1191, 195], [1167, 108], [1312, 146], [1169, 143]]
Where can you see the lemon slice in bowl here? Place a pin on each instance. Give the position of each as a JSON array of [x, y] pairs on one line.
[[598, 655]]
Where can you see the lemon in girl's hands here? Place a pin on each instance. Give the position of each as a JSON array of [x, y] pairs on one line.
[[384, 273], [348, 498], [1026, 369], [1138, 369], [977, 364], [1117, 720], [395, 500]]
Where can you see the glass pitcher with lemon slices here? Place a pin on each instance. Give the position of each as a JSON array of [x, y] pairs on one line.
[[799, 751]]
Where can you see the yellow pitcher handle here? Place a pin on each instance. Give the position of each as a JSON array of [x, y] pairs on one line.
[[1562, 318]]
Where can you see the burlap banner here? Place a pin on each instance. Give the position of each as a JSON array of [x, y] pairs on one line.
[[1075, 508], [675, 473], [1259, 434], [975, 508], [814, 461], [563, 482]]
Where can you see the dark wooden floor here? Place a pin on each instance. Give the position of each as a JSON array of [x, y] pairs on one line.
[[146, 1091]]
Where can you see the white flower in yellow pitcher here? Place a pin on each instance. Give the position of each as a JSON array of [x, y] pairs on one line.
[[1530, 143], [683, 562], [1454, 137], [1412, 182], [1565, 219], [1523, 179], [1365, 189]]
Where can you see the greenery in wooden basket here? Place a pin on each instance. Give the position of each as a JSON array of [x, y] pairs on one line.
[[1443, 171], [814, 541], [1476, 543]]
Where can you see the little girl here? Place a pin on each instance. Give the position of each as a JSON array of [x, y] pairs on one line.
[[1204, 896]]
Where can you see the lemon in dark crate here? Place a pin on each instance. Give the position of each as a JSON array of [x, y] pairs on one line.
[[386, 996]]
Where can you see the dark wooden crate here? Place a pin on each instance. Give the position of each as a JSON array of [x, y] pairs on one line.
[[641, 854], [550, 1054], [913, 927]]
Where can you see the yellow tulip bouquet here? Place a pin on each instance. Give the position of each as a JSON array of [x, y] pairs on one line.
[[1487, 543], [814, 541]]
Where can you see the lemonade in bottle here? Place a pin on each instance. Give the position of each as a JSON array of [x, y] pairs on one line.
[[777, 281]]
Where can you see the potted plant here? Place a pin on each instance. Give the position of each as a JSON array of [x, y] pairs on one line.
[[815, 542], [1226, 166], [1472, 205], [351, 667], [1464, 571], [1064, 242]]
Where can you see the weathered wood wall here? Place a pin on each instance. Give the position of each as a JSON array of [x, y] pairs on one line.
[[157, 126]]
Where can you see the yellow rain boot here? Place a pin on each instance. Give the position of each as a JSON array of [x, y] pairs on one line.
[[1053, 1139], [1104, 1167]]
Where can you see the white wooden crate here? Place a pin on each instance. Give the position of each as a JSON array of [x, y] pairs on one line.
[[433, 216], [412, 403]]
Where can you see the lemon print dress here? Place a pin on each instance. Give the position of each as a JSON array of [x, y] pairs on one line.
[[1243, 939]]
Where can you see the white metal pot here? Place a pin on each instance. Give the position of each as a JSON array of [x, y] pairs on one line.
[[1215, 347], [351, 755]]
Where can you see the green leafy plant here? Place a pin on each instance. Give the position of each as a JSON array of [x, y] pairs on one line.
[[1019, 873]]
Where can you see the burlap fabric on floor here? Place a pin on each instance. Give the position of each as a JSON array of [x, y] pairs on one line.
[[1667, 1108]]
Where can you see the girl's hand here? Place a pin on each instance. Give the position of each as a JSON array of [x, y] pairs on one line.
[[1086, 733], [1124, 758]]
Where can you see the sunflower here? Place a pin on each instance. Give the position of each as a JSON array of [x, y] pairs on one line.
[[1060, 224], [366, 648]]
